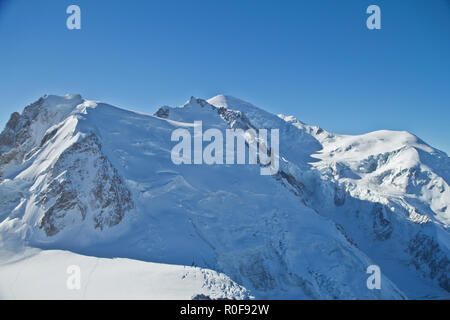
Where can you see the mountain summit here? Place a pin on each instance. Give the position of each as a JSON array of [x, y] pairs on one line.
[[85, 181]]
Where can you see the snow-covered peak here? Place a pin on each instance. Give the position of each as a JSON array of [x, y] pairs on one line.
[[227, 101], [86, 176], [66, 99], [232, 103], [288, 118], [361, 146], [60, 104]]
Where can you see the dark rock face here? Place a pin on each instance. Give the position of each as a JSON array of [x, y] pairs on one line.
[[8, 136], [48, 137], [83, 181], [382, 227], [201, 296], [66, 200], [15, 140], [16, 131], [346, 236], [235, 119], [298, 188], [340, 195], [430, 260], [258, 273], [162, 112]]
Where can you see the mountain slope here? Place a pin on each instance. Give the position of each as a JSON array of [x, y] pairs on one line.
[[87, 177], [388, 190]]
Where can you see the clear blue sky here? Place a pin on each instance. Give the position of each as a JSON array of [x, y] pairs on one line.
[[312, 59]]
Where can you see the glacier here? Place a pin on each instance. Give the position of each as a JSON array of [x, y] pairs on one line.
[[85, 181]]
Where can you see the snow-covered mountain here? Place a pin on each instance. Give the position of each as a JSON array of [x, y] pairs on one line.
[[85, 181]]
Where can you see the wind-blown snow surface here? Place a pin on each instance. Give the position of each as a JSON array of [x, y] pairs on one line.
[[44, 275], [95, 180]]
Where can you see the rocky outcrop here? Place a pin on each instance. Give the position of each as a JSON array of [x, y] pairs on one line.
[[15, 140], [17, 130], [163, 112], [430, 260], [382, 227], [83, 184]]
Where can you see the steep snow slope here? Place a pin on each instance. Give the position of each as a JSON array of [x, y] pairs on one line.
[[387, 190], [91, 178]]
